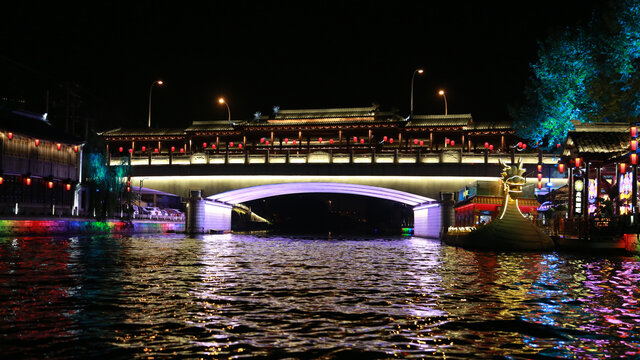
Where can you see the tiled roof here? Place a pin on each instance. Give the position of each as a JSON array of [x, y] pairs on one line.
[[440, 120], [342, 116], [32, 124], [603, 140], [362, 112], [498, 125], [215, 125], [143, 132]]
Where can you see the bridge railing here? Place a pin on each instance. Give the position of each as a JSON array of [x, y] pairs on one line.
[[328, 157]]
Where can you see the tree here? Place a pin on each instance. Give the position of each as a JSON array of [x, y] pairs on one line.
[[107, 184], [587, 74]]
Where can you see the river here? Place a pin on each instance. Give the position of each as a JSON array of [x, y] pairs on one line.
[[221, 296]]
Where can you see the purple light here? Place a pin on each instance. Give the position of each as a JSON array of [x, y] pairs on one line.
[[264, 191]]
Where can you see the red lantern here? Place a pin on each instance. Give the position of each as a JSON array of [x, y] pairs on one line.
[[75, 148], [421, 143], [181, 150], [37, 141], [447, 141], [415, 141], [578, 162], [266, 142], [155, 150], [27, 181], [294, 142], [50, 184], [453, 143], [120, 149], [539, 167], [520, 144], [128, 189], [361, 141], [539, 176], [58, 146], [331, 141], [204, 145], [391, 141], [239, 146], [355, 139], [634, 145], [623, 168], [10, 136], [539, 184], [384, 138], [490, 147], [557, 145], [173, 148], [286, 140], [320, 140], [67, 187], [634, 159], [486, 145], [130, 151], [261, 140], [524, 146], [561, 168], [634, 131], [231, 144], [144, 148], [213, 146]]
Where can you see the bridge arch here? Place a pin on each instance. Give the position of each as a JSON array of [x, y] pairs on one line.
[[213, 213], [262, 191]]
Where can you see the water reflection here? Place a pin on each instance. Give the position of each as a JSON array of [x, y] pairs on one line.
[[231, 295]]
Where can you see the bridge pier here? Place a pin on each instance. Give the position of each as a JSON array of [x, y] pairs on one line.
[[427, 221], [206, 216], [432, 220]]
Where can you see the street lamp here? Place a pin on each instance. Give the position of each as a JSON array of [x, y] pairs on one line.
[[441, 93], [223, 101], [159, 82], [413, 77]]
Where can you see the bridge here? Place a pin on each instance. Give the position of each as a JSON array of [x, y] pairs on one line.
[[362, 151]]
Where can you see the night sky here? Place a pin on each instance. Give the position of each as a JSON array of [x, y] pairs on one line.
[[261, 54]]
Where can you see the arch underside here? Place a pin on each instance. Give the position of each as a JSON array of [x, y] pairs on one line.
[[263, 191]]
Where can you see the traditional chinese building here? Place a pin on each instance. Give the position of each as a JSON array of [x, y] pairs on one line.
[[339, 134], [597, 158], [39, 165]]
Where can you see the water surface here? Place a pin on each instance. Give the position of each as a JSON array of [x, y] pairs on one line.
[[221, 296]]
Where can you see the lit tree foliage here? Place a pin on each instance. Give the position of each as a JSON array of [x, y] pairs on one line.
[[107, 185], [586, 74]]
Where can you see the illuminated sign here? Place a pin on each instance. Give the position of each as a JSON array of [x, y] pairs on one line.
[[592, 195], [467, 192], [578, 186], [625, 192]]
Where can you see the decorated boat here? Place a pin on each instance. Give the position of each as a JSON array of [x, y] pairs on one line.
[[511, 230]]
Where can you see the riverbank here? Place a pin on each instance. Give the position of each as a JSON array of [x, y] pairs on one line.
[[79, 226]]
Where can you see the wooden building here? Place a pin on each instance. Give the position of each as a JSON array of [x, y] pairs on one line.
[[39, 166]]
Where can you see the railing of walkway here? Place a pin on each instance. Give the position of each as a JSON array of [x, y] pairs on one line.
[[327, 157]]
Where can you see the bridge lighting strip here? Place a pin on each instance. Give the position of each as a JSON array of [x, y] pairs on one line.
[[262, 191], [427, 206]]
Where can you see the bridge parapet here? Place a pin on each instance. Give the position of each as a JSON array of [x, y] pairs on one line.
[[323, 157]]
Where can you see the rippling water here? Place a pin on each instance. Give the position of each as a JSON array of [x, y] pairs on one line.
[[238, 296]]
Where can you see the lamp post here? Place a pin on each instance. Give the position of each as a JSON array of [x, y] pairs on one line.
[[413, 77], [223, 101], [441, 93], [159, 82]]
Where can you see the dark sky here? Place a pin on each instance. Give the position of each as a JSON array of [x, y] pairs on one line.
[[263, 53]]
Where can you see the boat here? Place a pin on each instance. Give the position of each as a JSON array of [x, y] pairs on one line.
[[511, 230]]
